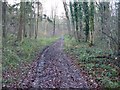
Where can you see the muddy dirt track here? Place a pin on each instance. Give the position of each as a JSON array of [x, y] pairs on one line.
[[55, 70]]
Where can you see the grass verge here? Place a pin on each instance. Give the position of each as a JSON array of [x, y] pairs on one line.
[[17, 57]]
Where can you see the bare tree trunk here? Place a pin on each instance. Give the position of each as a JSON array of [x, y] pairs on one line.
[[91, 23], [67, 16], [34, 21], [81, 29], [24, 21], [72, 21], [4, 5], [119, 27], [31, 14], [19, 37], [54, 25], [37, 26], [30, 31]]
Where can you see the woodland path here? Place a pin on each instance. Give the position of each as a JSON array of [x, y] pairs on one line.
[[55, 70]]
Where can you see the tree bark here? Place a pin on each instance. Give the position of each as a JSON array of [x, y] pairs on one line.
[[37, 27], [118, 27], [20, 31], [72, 21], [54, 25], [91, 23], [86, 12], [67, 16], [31, 18], [76, 19], [24, 20], [4, 5]]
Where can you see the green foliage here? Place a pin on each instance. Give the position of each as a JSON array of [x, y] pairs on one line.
[[108, 83], [15, 53], [17, 56], [101, 68]]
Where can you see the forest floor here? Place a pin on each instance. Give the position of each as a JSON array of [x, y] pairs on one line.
[[54, 69], [104, 71], [19, 58]]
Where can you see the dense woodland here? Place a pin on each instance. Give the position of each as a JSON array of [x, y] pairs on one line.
[[91, 32]]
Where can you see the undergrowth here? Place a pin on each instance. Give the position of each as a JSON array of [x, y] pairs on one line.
[[18, 55], [105, 73]]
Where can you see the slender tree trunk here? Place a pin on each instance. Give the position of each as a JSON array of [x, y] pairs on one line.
[[54, 25], [4, 6], [34, 20], [54, 22], [81, 28], [67, 16], [30, 31], [37, 26], [76, 19], [104, 15], [31, 14], [24, 20], [86, 12], [20, 31], [73, 33], [91, 23], [80, 20], [119, 27]]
